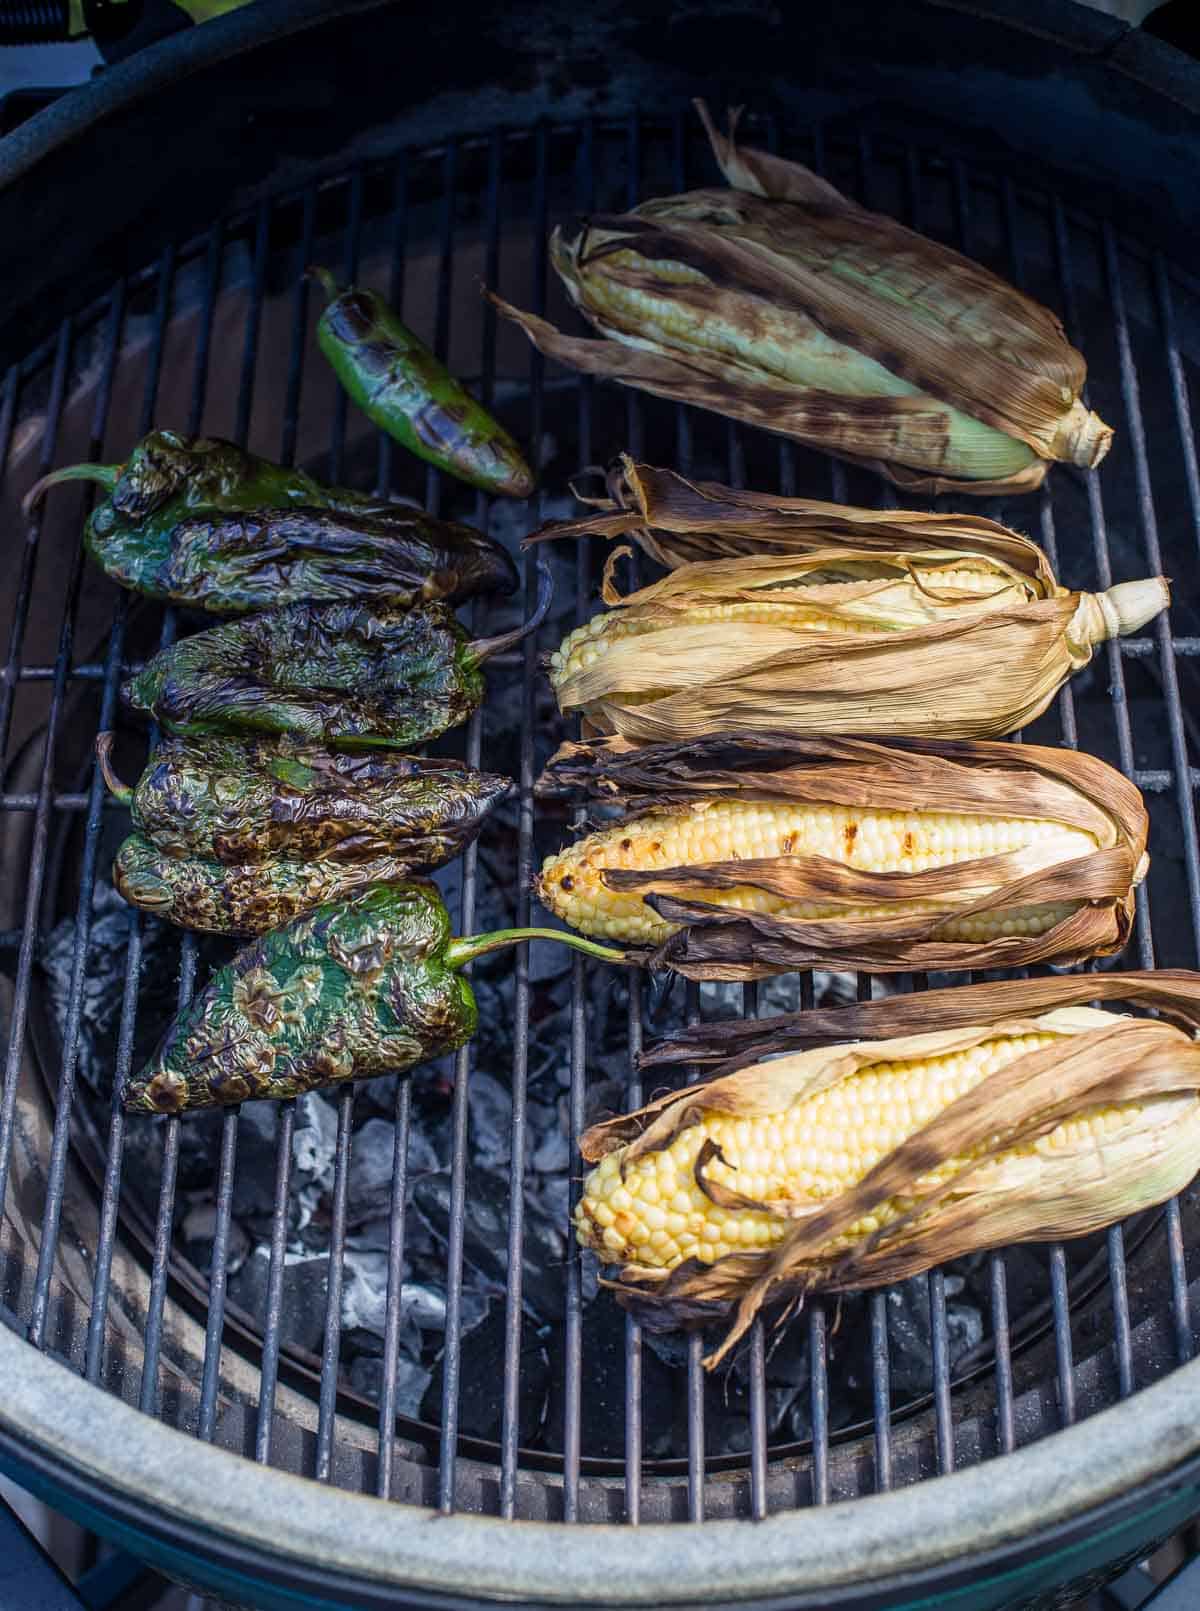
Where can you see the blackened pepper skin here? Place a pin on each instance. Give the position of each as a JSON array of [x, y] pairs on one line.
[[347, 675], [409, 393], [241, 801], [243, 898], [367, 986], [201, 522]]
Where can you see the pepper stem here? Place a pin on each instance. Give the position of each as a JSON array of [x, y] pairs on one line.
[[119, 791], [462, 951], [107, 474], [328, 284], [483, 648]]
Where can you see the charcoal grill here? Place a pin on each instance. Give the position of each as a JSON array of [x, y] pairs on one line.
[[161, 282]]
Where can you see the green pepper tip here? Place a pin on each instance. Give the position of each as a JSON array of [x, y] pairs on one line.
[[328, 284], [119, 791], [106, 474], [482, 649]]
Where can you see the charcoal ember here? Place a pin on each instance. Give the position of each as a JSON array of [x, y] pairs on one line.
[[602, 1099], [196, 1234], [490, 1107], [553, 1194], [485, 1242], [553, 1154], [369, 1187], [103, 981], [481, 1372], [602, 1401], [314, 1142], [412, 1382], [305, 1294], [910, 1338], [257, 1162], [494, 1038], [364, 1291]]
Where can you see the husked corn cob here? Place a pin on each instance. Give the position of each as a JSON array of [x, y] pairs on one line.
[[745, 855], [853, 1164], [657, 1214], [572, 885]]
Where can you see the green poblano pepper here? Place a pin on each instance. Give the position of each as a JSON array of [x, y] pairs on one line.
[[409, 393], [366, 986], [240, 801], [242, 899], [199, 521], [348, 675]]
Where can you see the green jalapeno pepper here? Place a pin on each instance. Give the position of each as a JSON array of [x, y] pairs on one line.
[[350, 676], [401, 387], [366, 986], [239, 801], [201, 522]]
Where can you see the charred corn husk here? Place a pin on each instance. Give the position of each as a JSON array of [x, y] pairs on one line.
[[738, 857], [1023, 1116], [907, 640], [782, 303]]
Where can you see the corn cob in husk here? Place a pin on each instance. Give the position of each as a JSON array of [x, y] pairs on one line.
[[782, 303], [940, 1124], [738, 857], [899, 625], [677, 521]]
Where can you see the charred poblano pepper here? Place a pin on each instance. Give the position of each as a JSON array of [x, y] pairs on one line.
[[351, 676], [239, 801], [401, 387], [241, 899], [366, 986], [199, 521]]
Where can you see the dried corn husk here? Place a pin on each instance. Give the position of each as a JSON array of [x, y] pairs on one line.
[[984, 780], [969, 1179], [676, 522], [879, 645], [781, 303]]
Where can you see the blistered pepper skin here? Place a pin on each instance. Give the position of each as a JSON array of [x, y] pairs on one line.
[[243, 899], [349, 990], [406, 391], [243, 801], [198, 521], [345, 675]]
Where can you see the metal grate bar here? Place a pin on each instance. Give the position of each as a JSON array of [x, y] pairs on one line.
[[212, 283], [452, 1355], [1062, 1334], [56, 1171], [383, 475], [1006, 1436], [110, 1197], [286, 1126], [441, 325], [633, 1332], [41, 827], [394, 1312], [272, 1318], [262, 231], [331, 1342], [350, 256], [98, 1319], [940, 1343], [218, 1275]]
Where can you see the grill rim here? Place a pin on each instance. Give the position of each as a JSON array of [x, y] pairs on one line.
[[1127, 1463]]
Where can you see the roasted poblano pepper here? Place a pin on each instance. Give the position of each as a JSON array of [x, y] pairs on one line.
[[238, 801], [401, 387], [241, 899], [199, 521], [351, 676], [367, 986]]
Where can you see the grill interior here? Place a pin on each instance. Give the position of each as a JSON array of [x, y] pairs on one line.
[[124, 1247]]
